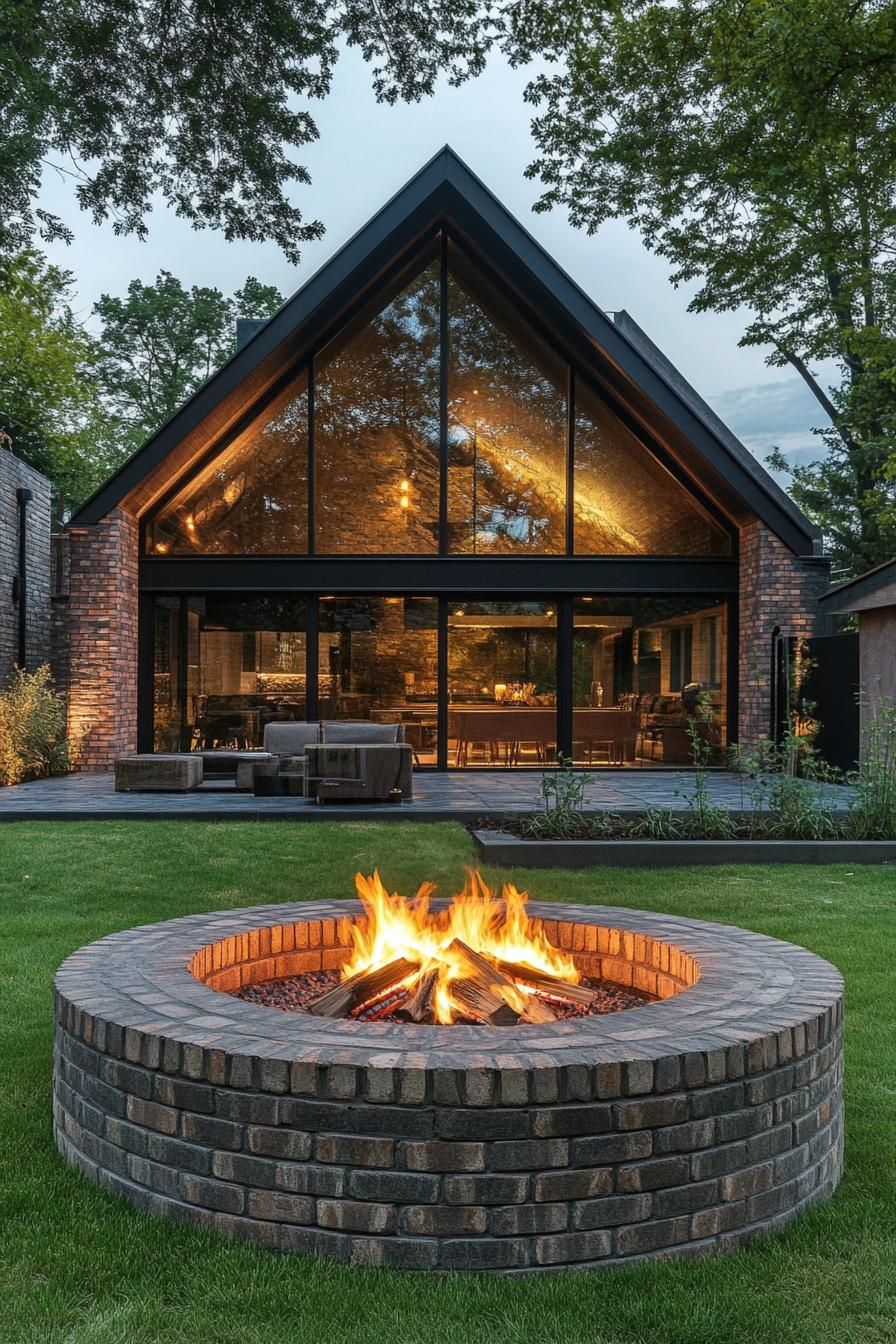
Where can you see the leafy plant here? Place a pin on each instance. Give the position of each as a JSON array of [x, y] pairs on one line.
[[32, 728], [872, 809], [751, 766], [658, 823], [800, 806], [706, 820], [562, 798]]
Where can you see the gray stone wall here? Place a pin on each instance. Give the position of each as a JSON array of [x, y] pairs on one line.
[[15, 475]]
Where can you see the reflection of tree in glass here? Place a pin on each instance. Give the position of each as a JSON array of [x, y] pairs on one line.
[[507, 417], [377, 430], [253, 498], [626, 503]]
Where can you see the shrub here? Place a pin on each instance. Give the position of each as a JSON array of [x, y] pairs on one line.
[[32, 728], [800, 804], [872, 809]]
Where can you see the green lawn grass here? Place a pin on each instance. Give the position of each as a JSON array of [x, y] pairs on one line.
[[78, 1266]]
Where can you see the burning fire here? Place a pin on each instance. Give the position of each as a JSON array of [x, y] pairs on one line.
[[438, 944]]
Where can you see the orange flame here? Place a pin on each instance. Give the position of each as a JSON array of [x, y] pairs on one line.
[[497, 928]]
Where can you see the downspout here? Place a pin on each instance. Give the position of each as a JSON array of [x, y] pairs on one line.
[[775, 677], [20, 583]]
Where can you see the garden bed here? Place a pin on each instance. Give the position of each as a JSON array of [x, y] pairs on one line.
[[507, 850]]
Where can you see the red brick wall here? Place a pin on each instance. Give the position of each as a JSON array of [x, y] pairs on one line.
[[776, 588], [102, 640]]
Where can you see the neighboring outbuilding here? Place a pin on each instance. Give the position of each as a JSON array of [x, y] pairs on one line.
[[872, 597]]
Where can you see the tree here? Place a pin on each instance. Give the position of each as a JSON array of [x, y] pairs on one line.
[[50, 408], [753, 144], [159, 343], [192, 99]]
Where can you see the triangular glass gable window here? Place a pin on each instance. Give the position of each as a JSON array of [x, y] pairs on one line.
[[625, 501], [507, 428], [376, 430], [252, 498]]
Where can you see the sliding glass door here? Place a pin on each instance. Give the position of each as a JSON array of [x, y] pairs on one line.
[[477, 682]]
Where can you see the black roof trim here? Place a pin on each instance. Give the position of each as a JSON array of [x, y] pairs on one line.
[[862, 586], [445, 188]]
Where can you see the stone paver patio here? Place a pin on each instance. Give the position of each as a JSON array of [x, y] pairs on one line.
[[437, 797]]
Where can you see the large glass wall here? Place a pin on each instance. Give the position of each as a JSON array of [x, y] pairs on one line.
[[502, 683], [507, 431], [390, 398], [376, 446], [377, 660], [224, 667], [252, 499], [647, 674], [625, 501]]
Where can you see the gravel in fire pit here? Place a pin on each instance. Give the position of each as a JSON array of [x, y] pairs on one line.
[[295, 992]]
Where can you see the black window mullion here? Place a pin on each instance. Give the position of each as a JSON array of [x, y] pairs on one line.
[[312, 702], [183, 660], [564, 675], [443, 396], [570, 462], [442, 686], [311, 418]]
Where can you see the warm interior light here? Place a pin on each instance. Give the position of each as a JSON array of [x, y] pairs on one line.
[[404, 502], [161, 547], [191, 526], [498, 929]]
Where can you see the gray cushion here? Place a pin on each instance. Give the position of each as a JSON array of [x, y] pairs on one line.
[[290, 739], [360, 734]]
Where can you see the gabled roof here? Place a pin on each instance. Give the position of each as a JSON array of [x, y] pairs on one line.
[[446, 191], [870, 591]]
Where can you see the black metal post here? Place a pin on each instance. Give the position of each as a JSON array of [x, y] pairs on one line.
[[442, 687], [312, 627], [443, 395], [145, 671], [564, 676], [732, 680], [570, 462], [311, 454]]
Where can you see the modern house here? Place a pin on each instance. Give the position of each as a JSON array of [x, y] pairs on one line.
[[442, 486]]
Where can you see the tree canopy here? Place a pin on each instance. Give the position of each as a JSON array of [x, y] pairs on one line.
[[74, 403], [51, 412], [752, 143], [158, 344]]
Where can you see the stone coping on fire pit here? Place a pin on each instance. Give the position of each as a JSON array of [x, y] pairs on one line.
[[679, 1127]]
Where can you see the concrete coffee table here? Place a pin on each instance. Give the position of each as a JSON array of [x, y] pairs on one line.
[[240, 764]]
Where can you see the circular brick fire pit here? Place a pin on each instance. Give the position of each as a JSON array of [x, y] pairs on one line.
[[682, 1127]]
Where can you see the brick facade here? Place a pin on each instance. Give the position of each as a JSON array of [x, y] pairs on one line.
[[101, 637], [16, 475], [777, 588]]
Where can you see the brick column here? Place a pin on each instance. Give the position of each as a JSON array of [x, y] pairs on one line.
[[777, 588], [102, 640]]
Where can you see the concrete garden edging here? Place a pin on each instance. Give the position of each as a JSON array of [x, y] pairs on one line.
[[513, 851]]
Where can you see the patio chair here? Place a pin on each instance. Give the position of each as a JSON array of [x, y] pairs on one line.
[[377, 771]]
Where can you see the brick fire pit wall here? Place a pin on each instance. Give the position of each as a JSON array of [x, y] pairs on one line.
[[683, 1127]]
